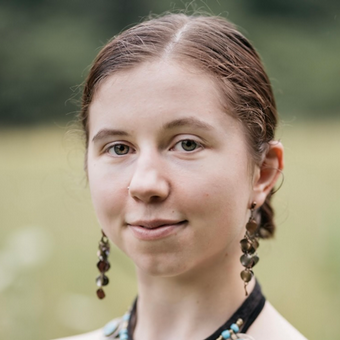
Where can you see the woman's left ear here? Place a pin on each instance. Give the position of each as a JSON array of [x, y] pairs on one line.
[[267, 174]]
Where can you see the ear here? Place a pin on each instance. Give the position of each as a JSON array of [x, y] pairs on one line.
[[267, 174]]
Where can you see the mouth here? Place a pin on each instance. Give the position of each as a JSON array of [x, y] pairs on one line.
[[155, 224], [155, 229]]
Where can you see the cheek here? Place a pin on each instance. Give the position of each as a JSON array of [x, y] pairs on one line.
[[107, 198], [218, 188], [221, 201]]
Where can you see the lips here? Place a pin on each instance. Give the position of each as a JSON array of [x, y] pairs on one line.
[[155, 229], [152, 224]]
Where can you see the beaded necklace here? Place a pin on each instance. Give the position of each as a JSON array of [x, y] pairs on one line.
[[123, 328], [119, 329]]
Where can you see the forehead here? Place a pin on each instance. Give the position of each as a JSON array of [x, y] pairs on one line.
[[164, 78], [159, 90]]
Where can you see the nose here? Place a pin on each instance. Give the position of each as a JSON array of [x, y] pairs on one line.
[[149, 183]]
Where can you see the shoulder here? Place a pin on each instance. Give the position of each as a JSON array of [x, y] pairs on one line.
[[271, 325], [96, 335], [111, 328]]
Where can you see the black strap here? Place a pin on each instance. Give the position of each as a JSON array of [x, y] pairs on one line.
[[248, 312]]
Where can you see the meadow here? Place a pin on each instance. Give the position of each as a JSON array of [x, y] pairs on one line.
[[49, 236]]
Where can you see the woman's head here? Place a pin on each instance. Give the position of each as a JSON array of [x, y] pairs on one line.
[[210, 44]]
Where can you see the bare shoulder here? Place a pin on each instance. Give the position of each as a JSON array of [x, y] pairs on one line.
[[270, 325], [96, 335], [111, 328]]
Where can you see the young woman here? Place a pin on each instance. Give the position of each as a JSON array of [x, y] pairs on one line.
[[179, 118]]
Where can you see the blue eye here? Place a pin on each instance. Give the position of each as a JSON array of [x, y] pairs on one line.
[[119, 149]]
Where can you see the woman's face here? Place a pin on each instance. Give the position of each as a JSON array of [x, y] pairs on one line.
[[169, 171]]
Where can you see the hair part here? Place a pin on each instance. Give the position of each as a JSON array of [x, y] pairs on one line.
[[215, 46]]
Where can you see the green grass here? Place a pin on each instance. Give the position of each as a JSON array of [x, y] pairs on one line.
[[49, 235]]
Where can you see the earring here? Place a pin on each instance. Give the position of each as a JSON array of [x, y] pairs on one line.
[[249, 244], [103, 265]]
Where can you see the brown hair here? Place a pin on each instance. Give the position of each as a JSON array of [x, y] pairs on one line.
[[214, 45]]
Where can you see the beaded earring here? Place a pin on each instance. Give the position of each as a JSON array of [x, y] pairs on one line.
[[103, 265], [249, 245]]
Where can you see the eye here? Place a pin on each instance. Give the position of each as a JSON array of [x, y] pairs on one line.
[[187, 145], [118, 149]]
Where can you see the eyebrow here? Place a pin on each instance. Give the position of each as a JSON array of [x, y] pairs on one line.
[[108, 133], [182, 122], [190, 121]]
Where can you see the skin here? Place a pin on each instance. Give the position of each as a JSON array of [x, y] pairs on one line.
[[160, 130]]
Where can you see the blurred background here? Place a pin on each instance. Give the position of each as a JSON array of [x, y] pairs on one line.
[[49, 233]]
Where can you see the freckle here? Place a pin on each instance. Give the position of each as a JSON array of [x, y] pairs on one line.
[[226, 254]]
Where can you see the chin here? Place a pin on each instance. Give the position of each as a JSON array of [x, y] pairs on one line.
[[160, 266]]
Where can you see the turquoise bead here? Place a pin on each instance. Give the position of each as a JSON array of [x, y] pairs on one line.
[[123, 331], [123, 336], [110, 327], [225, 335], [235, 328], [126, 317]]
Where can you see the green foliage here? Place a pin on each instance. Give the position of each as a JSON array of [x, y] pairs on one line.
[[47, 47], [306, 10]]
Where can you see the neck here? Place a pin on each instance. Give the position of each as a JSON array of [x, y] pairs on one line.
[[190, 306]]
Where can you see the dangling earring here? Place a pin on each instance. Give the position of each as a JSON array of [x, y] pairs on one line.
[[249, 244], [103, 265]]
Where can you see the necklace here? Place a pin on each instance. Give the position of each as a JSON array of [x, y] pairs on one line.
[[245, 315], [119, 329]]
